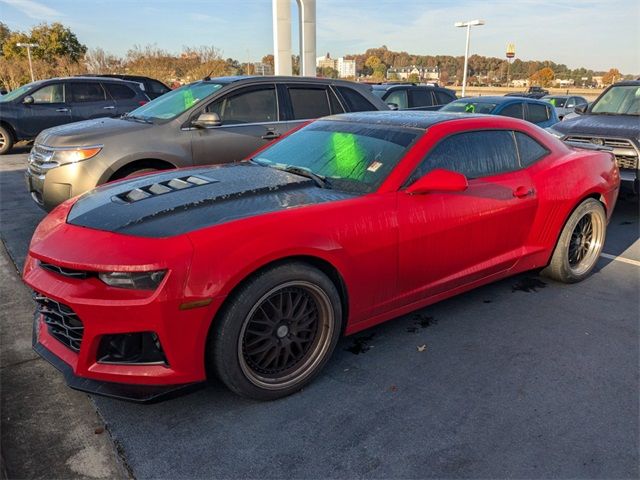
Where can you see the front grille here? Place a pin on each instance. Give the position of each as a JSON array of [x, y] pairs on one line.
[[62, 322], [67, 272], [40, 160], [625, 152]]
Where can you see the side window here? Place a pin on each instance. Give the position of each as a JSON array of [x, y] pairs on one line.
[[335, 103], [85, 92], [474, 154], [399, 97], [571, 102], [118, 91], [50, 94], [256, 105], [354, 101], [309, 102], [443, 97], [514, 110], [529, 149], [537, 113], [157, 87], [581, 101], [421, 97]]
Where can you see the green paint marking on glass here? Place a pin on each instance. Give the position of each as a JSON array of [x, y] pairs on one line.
[[349, 156], [470, 108], [553, 102], [188, 98]]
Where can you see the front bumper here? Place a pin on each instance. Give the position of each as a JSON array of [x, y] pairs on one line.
[[120, 391]]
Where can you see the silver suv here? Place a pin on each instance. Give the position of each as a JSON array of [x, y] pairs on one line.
[[211, 121]]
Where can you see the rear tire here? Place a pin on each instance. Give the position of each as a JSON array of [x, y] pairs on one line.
[[6, 140], [580, 243], [276, 333]]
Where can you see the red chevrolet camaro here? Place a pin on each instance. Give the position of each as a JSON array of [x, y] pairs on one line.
[[251, 271]]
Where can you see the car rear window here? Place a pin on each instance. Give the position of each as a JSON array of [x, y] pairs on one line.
[[308, 103], [119, 91], [355, 101]]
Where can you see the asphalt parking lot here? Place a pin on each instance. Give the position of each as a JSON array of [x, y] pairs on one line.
[[522, 378]]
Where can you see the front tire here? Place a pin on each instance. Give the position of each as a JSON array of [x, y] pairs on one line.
[[277, 332], [580, 243], [6, 140]]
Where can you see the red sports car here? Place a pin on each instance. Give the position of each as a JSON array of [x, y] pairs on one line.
[[251, 271]]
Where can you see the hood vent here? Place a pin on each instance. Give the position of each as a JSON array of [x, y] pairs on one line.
[[160, 188]]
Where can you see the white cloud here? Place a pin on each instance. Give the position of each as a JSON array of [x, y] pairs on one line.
[[33, 9]]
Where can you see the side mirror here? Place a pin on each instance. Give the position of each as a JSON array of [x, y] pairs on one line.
[[207, 120], [439, 180], [28, 100], [580, 109], [393, 106]]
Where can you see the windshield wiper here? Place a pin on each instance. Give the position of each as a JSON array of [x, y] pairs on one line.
[[136, 118], [320, 180]]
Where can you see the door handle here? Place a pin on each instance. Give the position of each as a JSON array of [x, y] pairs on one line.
[[62, 110], [270, 136], [522, 192], [108, 108]]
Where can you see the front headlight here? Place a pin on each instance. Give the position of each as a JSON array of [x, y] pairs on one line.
[[133, 280], [72, 155], [555, 133]]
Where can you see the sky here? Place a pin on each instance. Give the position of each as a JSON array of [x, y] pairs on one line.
[[596, 34]]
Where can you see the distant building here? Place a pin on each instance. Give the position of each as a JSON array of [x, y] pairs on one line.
[[326, 62], [346, 68], [520, 83], [424, 74], [564, 82]]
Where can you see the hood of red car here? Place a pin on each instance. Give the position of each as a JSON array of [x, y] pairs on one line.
[[182, 201]]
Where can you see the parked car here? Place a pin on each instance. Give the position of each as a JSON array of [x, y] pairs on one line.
[[532, 92], [150, 86], [411, 96], [534, 111], [218, 120], [612, 120], [565, 104], [252, 271], [26, 111]]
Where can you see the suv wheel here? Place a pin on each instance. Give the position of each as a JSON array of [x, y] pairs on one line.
[[6, 140]]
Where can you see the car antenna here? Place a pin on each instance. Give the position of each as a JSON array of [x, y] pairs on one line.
[[208, 77]]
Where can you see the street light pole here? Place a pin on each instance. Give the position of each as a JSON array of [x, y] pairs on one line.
[[29, 46], [468, 25]]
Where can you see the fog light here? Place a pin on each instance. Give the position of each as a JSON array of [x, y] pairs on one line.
[[141, 348]]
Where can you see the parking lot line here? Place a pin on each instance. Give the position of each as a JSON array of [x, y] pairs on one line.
[[621, 259]]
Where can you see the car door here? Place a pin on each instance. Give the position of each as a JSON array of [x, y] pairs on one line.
[[124, 98], [250, 118], [447, 240], [47, 110], [421, 99], [88, 99], [302, 102]]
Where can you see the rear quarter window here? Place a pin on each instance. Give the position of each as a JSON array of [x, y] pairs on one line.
[[529, 150], [354, 101]]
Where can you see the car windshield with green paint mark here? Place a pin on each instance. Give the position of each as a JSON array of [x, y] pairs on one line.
[[174, 103], [340, 155]]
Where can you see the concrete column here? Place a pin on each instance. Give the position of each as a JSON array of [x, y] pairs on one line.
[[282, 37], [307, 22]]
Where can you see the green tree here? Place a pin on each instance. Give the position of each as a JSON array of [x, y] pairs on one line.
[[53, 40], [5, 33]]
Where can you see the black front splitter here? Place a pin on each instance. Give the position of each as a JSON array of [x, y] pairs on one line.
[[120, 391]]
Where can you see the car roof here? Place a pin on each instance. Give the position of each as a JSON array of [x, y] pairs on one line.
[[560, 96], [633, 83], [278, 78], [499, 100], [400, 118], [389, 86]]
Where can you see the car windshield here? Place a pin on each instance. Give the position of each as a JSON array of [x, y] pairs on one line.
[[13, 94], [176, 102], [620, 100], [348, 156], [465, 106], [556, 101]]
